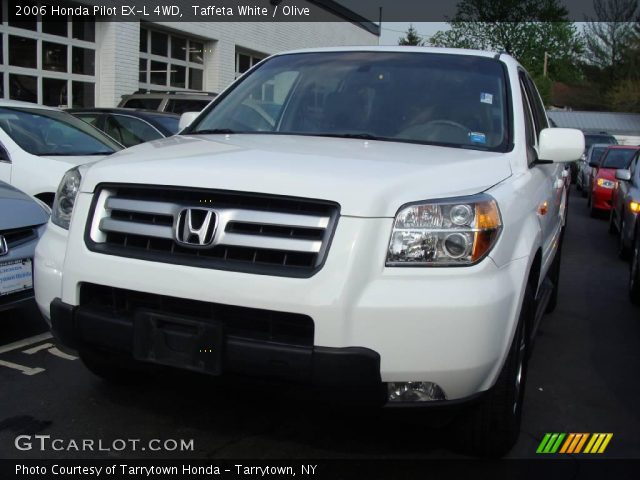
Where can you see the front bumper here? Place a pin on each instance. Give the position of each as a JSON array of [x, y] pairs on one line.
[[449, 326], [352, 369], [601, 198]]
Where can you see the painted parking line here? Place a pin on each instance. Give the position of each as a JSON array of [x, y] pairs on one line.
[[21, 368], [37, 348], [25, 342]]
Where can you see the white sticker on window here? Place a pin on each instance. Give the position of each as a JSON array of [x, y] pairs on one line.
[[486, 98]]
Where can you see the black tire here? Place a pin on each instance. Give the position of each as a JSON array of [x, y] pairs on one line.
[[612, 226], [491, 427], [624, 252], [634, 271], [114, 369]]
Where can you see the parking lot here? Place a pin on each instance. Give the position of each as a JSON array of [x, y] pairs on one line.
[[582, 378]]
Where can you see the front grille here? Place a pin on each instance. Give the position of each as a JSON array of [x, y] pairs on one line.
[[263, 234], [19, 236], [239, 322]]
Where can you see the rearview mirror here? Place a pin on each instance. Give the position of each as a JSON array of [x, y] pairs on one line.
[[560, 145], [624, 175], [186, 119]]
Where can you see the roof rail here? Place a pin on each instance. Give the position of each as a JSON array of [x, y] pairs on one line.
[[173, 92]]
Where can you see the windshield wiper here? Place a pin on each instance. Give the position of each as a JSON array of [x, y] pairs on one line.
[[212, 131], [361, 136]]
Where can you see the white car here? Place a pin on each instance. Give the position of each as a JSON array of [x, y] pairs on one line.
[[39, 144], [383, 222]]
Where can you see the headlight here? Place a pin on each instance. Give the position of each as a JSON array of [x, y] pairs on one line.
[[606, 183], [446, 232], [66, 198]]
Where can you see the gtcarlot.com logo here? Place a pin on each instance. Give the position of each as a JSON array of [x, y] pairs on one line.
[[593, 443]]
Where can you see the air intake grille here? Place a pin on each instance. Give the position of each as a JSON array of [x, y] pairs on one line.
[[253, 233], [240, 322], [19, 236]]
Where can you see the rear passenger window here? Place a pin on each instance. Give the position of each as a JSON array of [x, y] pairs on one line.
[[180, 106], [144, 103]]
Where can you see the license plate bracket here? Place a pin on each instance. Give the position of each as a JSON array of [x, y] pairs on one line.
[[16, 276], [178, 341]]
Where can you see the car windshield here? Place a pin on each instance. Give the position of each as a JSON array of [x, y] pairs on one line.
[[593, 139], [450, 100], [618, 158], [596, 154], [52, 132], [170, 123]]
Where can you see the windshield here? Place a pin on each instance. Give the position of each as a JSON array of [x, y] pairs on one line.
[[618, 158], [170, 123], [451, 100], [593, 139], [52, 132], [596, 154]]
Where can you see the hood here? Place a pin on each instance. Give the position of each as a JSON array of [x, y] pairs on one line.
[[367, 178], [18, 209], [73, 160], [607, 173]]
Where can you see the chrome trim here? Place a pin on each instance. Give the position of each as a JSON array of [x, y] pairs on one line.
[[224, 217]]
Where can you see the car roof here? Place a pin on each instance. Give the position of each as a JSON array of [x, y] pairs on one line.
[[136, 112], [150, 116], [624, 147], [403, 49], [16, 103]]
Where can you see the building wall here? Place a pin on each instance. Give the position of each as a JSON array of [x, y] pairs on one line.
[[118, 46]]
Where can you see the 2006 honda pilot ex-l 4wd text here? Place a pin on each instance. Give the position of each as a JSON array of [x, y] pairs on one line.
[[379, 220]]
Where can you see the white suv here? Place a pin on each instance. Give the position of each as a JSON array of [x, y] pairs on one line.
[[386, 222]]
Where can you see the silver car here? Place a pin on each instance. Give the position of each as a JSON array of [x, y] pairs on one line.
[[592, 155], [22, 222]]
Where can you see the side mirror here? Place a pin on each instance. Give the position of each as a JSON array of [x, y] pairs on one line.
[[186, 119], [624, 175], [561, 145]]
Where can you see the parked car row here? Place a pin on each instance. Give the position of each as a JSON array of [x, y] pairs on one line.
[[609, 176]]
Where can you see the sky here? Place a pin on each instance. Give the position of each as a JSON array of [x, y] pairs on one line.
[[392, 31]]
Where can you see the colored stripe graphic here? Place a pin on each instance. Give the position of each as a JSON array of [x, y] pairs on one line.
[[571, 443]]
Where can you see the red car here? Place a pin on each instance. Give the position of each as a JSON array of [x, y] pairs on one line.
[[604, 176]]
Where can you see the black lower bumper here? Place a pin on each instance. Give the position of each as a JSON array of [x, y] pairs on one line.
[[352, 369]]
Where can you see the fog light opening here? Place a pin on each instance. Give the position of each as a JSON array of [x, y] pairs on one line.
[[414, 392]]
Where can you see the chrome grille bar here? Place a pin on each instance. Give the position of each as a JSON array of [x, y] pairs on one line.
[[266, 233]]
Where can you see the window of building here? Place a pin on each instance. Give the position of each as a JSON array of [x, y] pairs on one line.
[[47, 62], [54, 57], [246, 60], [170, 60]]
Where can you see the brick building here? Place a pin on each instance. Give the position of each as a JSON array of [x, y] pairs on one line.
[[95, 61]]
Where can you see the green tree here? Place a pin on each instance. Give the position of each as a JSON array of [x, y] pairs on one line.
[[611, 40], [411, 38], [525, 29]]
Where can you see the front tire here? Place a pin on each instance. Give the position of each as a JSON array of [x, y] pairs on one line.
[[491, 428]]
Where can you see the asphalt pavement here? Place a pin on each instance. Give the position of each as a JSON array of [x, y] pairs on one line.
[[582, 378]]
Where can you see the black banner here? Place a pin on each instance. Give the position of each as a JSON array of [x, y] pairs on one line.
[[123, 469], [357, 11]]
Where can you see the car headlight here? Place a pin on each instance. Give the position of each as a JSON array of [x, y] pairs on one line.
[[606, 183], [450, 232], [66, 198]]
